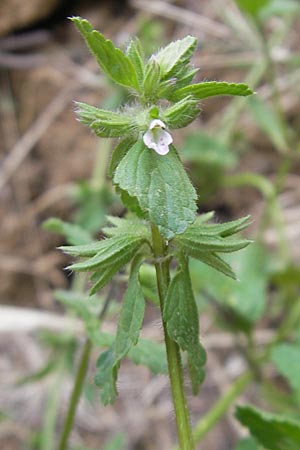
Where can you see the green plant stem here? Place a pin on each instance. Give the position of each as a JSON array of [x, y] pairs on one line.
[[185, 437], [221, 407], [76, 393]]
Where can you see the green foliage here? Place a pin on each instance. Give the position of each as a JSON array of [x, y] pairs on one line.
[[152, 79], [132, 314], [150, 354], [286, 358], [274, 432], [104, 253], [118, 154], [105, 123], [206, 89], [161, 187], [136, 55], [74, 234], [175, 56], [112, 60], [181, 316], [203, 241], [181, 113]]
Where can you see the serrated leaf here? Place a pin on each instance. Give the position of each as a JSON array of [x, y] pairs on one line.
[[118, 154], [160, 185], [105, 123], [74, 234], [181, 317], [150, 354], [136, 55], [193, 242], [174, 56], [286, 358], [223, 230], [274, 432], [132, 314], [211, 88], [108, 251], [181, 113], [106, 376], [114, 63], [267, 120]]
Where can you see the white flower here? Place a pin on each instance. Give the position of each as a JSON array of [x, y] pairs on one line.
[[157, 137]]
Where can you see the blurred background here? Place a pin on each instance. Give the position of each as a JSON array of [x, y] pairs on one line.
[[242, 155]]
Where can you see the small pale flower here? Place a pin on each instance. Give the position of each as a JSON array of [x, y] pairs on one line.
[[157, 137]]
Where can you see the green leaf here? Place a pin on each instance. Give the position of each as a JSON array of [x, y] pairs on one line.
[[274, 432], [286, 358], [247, 444], [220, 229], [114, 63], [132, 314], [211, 88], [105, 123], [106, 376], [160, 185], [268, 122], [175, 56], [150, 354], [105, 252], [181, 113], [74, 234], [181, 317], [151, 79], [194, 242], [136, 55], [118, 154]]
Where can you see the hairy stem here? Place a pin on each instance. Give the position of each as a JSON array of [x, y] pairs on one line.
[[185, 437]]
